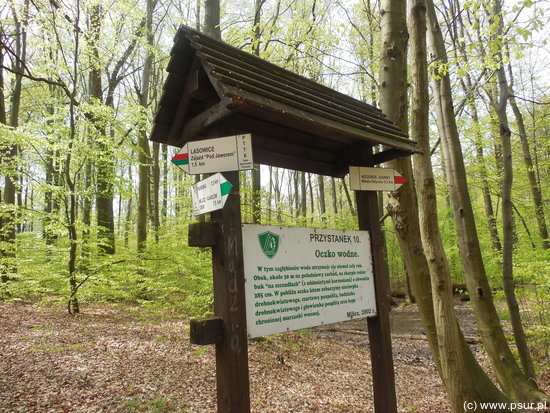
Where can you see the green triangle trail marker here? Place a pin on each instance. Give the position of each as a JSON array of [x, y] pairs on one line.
[[210, 194]]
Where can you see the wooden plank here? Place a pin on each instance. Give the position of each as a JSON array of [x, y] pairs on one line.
[[242, 71], [388, 155], [204, 120], [179, 63], [285, 133], [165, 114], [287, 115], [160, 133], [287, 161], [206, 331], [306, 109], [296, 149], [190, 89], [223, 50], [383, 377], [203, 234]]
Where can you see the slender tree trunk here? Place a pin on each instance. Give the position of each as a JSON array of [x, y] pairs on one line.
[[71, 203], [348, 197], [48, 194], [105, 162], [334, 194], [512, 380], [155, 201], [270, 195], [296, 194], [144, 154], [322, 204], [256, 171], [507, 209], [277, 190], [303, 194], [467, 86], [164, 211], [311, 196], [212, 19], [453, 368], [86, 216], [534, 184], [487, 200], [128, 218]]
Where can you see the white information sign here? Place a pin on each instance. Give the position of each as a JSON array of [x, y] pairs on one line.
[[374, 179], [231, 153], [210, 194], [303, 277]]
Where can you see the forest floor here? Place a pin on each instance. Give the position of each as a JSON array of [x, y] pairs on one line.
[[120, 358]]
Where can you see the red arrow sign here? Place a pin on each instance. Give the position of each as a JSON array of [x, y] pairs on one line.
[[375, 179]]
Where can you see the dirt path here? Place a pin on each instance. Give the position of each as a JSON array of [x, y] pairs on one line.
[[118, 359]]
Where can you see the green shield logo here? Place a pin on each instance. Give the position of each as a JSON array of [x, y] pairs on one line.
[[269, 243]]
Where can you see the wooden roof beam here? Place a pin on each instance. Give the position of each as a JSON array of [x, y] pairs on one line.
[[388, 155], [206, 119], [191, 89]]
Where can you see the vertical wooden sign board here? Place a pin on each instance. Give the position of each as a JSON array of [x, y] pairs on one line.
[[229, 303], [383, 377]]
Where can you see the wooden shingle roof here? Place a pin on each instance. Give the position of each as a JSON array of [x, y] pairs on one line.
[[295, 123]]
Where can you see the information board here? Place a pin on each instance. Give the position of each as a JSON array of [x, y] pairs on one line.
[[304, 277]]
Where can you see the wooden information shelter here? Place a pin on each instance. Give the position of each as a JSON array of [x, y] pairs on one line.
[[214, 90]]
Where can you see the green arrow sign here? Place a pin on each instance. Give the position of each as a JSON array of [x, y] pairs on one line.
[[210, 194]]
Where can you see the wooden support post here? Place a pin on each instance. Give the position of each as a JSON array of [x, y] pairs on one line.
[[383, 378], [229, 304]]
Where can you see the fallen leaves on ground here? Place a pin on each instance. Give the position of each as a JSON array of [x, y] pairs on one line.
[[116, 358]]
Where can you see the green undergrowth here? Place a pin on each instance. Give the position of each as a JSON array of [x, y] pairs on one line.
[[169, 277]]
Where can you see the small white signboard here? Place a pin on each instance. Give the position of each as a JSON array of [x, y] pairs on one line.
[[231, 153], [374, 179], [303, 277], [210, 194]]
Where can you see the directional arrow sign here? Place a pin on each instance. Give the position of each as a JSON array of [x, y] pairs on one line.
[[374, 179], [232, 153], [210, 194]]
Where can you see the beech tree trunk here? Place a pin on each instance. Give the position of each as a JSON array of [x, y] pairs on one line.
[[105, 161], [403, 206], [507, 208], [8, 213], [454, 371], [348, 197], [534, 184], [256, 171], [322, 203], [155, 193], [144, 154], [334, 194], [468, 88], [511, 379], [212, 19]]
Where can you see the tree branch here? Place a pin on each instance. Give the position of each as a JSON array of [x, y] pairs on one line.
[[29, 76]]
